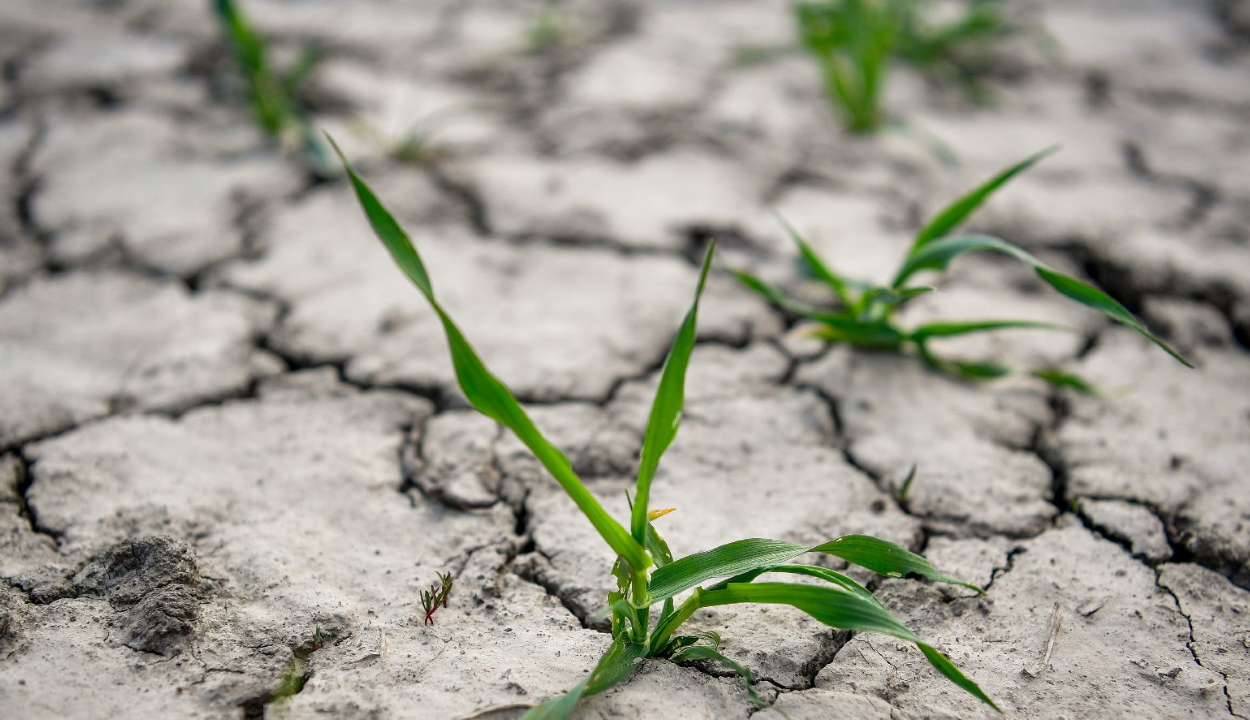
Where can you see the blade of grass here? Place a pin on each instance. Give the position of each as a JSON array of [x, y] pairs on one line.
[[482, 389], [952, 329], [841, 609], [666, 409], [815, 571], [703, 652], [742, 556], [886, 558], [938, 255], [1062, 379], [952, 215], [617, 664], [818, 265]]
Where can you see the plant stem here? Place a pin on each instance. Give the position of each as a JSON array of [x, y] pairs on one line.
[[665, 629]]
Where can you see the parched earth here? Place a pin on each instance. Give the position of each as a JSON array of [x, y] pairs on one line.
[[232, 452]]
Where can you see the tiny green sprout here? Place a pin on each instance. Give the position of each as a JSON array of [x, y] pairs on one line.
[[647, 576], [549, 28], [273, 96], [436, 596], [854, 42], [864, 313], [900, 494], [318, 640]]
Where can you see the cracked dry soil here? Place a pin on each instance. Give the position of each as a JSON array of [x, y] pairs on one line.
[[226, 421]]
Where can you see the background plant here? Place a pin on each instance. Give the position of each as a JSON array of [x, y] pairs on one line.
[[273, 96], [864, 313], [855, 41], [645, 615]]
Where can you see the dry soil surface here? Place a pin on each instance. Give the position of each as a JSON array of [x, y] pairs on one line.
[[228, 424]]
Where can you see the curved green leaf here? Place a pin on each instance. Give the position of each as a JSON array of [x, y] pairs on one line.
[[730, 559], [703, 652], [952, 329], [886, 558], [833, 606], [665, 416], [617, 664], [952, 673], [842, 609], [938, 255], [952, 215], [818, 265], [744, 556], [482, 389], [830, 576], [1062, 379], [774, 296]]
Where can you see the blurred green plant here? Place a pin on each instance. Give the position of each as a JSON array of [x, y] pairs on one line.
[[548, 28], [864, 312], [273, 96], [855, 41], [647, 576]]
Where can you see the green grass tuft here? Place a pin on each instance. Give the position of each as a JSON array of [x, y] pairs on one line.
[[855, 41], [864, 314]]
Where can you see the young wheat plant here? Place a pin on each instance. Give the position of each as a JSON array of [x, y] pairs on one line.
[[646, 617], [855, 41], [864, 313], [273, 96]]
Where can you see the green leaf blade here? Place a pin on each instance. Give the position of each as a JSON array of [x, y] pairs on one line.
[[833, 606], [839, 608], [887, 558], [818, 265], [954, 214], [954, 674], [666, 409], [617, 664], [1091, 296], [730, 559], [938, 255], [484, 391], [966, 327]]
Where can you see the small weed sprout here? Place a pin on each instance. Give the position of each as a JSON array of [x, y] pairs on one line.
[[549, 28], [854, 42], [273, 96], [436, 596], [864, 313], [645, 614]]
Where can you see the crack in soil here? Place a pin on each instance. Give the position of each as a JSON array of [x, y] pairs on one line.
[[1189, 644], [25, 479]]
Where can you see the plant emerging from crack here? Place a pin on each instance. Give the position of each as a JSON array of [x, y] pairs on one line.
[[273, 96], [436, 597], [645, 615], [854, 42], [864, 313]]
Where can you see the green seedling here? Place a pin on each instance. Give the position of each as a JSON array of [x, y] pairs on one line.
[[645, 613], [864, 313], [549, 28], [900, 493], [855, 41], [436, 597], [273, 96]]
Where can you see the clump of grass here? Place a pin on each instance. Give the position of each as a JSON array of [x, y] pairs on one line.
[[549, 28], [855, 41], [645, 615], [864, 313], [273, 95], [436, 596]]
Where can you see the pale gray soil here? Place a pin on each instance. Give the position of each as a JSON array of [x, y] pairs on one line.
[[226, 420]]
